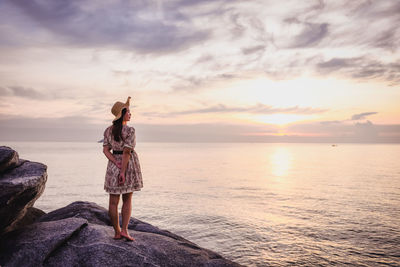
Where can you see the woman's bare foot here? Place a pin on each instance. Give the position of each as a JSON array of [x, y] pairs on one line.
[[117, 236], [127, 236]]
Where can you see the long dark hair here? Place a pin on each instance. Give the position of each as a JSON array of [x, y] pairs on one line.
[[117, 127]]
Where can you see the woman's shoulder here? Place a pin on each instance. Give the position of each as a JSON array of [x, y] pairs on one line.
[[108, 130], [128, 129]]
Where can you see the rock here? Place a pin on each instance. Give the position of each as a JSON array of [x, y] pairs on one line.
[[34, 244], [80, 235], [99, 215], [32, 214], [8, 158], [21, 186], [89, 211]]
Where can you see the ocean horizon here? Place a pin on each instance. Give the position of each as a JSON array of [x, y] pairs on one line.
[[205, 141], [258, 204]]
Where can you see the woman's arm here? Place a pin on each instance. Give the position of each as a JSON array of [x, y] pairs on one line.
[[125, 158], [107, 152]]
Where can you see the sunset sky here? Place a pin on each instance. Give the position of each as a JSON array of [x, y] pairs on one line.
[[234, 71]]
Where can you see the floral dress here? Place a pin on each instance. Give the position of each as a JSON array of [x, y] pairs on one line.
[[133, 175]]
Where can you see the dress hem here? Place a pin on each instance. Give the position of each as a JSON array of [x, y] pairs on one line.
[[121, 191]]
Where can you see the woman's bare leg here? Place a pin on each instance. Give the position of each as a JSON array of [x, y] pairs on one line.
[[126, 214], [113, 213]]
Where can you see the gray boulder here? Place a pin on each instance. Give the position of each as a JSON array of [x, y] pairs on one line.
[[8, 158], [96, 214], [80, 235], [32, 214], [21, 183]]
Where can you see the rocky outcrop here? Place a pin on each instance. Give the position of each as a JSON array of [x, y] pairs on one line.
[[21, 183], [80, 235], [8, 158]]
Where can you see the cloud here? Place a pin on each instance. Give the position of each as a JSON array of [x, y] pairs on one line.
[[21, 92], [11, 121], [141, 43], [122, 73], [387, 39], [336, 63], [360, 68], [237, 29], [185, 83], [330, 122], [362, 116], [48, 129], [312, 34], [383, 33], [366, 131], [355, 117], [42, 93], [139, 25], [342, 131], [204, 58], [256, 109], [81, 129], [204, 132], [253, 49]]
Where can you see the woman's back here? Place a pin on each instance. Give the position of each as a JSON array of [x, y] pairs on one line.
[[128, 138]]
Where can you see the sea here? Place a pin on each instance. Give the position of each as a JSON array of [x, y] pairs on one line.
[[258, 204]]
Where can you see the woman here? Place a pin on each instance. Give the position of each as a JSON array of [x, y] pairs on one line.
[[123, 174]]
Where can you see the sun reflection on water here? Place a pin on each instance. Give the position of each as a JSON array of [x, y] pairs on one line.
[[280, 161]]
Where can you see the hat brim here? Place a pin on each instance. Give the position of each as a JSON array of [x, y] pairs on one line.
[[120, 112]]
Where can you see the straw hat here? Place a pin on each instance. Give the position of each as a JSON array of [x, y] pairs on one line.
[[118, 107]]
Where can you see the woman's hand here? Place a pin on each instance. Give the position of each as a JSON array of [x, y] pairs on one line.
[[121, 178], [118, 164]]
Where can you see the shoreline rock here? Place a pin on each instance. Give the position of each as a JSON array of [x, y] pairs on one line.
[[8, 158], [79, 234], [21, 183]]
